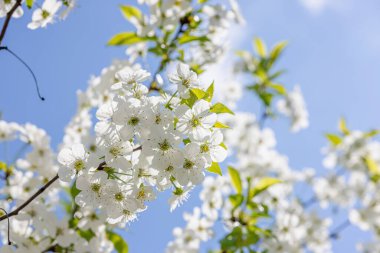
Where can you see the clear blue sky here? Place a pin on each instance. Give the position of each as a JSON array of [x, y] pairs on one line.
[[334, 54]]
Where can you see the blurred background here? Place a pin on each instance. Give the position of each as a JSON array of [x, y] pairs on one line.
[[333, 54]]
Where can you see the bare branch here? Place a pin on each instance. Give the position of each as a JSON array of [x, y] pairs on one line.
[[27, 202], [8, 19]]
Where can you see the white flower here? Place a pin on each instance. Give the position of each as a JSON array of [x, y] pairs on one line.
[[193, 166], [44, 15], [93, 189], [73, 160], [211, 149], [196, 121], [294, 107], [128, 77], [185, 79]]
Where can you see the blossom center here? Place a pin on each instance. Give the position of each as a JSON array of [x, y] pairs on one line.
[[165, 145], [133, 121], [45, 14], [205, 148], [188, 164], [78, 165], [195, 122], [115, 151], [119, 196], [95, 187]]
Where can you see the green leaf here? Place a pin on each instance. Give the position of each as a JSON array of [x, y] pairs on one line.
[[209, 92], [220, 125], [220, 108], [86, 234], [29, 3], [372, 133], [223, 145], [277, 51], [343, 126], [235, 179], [262, 185], [125, 38], [278, 87], [118, 242], [372, 165], [130, 12], [186, 141], [3, 166], [334, 139], [186, 38], [198, 92], [236, 200], [74, 191], [215, 168], [260, 47]]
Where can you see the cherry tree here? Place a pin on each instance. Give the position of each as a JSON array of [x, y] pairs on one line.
[[168, 131]]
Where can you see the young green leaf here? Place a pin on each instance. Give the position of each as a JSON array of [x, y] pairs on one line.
[[260, 47], [130, 12], [215, 168], [220, 108], [235, 179], [343, 126], [262, 185], [198, 93], [29, 3], [334, 139], [118, 242], [220, 125], [186, 38], [125, 38], [372, 166], [209, 93]]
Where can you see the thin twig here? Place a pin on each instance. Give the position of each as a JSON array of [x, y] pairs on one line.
[[335, 233], [7, 216], [28, 201], [27, 66], [8, 19]]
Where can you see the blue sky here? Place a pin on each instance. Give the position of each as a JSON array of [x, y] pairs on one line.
[[333, 53]]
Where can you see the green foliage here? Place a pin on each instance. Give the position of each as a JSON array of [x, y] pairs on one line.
[[235, 179], [118, 242], [334, 139], [125, 38], [263, 185], [29, 3], [260, 65], [215, 168], [130, 12], [220, 108], [373, 168], [343, 126], [186, 38], [220, 125]]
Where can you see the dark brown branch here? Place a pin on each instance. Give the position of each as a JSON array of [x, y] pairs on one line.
[[27, 202], [8, 19]]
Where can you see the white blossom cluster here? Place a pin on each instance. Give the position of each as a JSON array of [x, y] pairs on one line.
[[353, 184], [294, 107], [207, 22], [143, 143], [294, 229], [44, 14], [37, 226]]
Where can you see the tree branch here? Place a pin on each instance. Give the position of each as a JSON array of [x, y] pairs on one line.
[[27, 202], [8, 19]]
